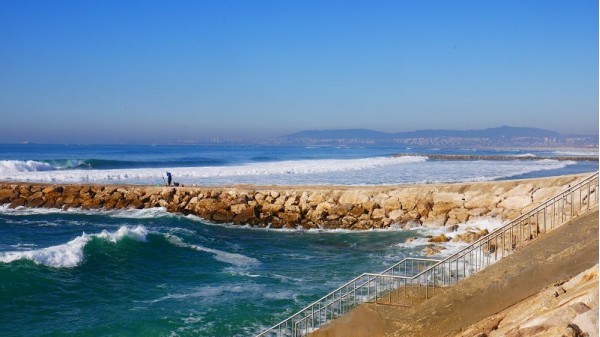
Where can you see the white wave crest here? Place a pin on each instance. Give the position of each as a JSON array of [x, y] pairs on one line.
[[70, 254], [146, 213], [8, 167], [153, 175], [237, 260], [581, 152]]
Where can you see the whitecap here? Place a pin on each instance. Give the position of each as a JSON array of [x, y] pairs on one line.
[[210, 292], [39, 171], [9, 167], [235, 259], [146, 213], [70, 254]]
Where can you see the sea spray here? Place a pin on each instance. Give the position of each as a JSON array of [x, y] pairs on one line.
[[70, 254]]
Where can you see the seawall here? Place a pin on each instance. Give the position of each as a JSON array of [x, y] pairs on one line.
[[356, 208]]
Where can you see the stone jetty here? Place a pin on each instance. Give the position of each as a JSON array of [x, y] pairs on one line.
[[356, 208]]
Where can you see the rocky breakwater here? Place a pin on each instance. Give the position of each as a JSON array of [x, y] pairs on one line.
[[357, 208]]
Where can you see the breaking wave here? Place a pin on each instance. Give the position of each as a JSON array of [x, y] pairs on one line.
[[70, 254], [41, 171]]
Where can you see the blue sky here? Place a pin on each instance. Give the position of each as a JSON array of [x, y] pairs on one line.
[[154, 71]]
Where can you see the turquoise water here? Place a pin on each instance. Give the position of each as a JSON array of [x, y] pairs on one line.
[[155, 274], [149, 273]]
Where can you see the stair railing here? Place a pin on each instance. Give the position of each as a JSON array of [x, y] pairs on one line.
[[414, 279]]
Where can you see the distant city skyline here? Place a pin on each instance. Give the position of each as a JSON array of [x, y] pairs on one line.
[[158, 71]]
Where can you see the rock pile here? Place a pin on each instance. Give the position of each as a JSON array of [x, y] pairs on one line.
[[357, 208]]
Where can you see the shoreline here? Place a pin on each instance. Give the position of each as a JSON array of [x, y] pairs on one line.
[[328, 207]]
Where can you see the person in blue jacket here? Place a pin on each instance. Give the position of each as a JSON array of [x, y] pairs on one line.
[[169, 178]]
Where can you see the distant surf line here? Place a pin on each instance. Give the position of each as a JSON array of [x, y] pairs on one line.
[[470, 157]]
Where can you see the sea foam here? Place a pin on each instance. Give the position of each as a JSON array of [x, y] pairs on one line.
[[70, 254], [234, 259], [39, 171], [364, 171], [146, 213], [13, 166]]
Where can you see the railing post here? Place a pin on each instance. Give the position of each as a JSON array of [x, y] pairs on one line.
[[338, 302]]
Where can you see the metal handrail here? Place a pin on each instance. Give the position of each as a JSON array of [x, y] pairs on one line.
[[531, 212], [367, 287], [435, 274]]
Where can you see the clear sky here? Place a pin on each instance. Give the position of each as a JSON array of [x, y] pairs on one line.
[[154, 71]]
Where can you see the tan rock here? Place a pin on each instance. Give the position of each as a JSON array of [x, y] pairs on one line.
[[353, 197], [380, 198], [432, 250], [478, 211], [289, 217], [339, 210], [238, 208], [281, 200], [271, 208], [483, 201], [322, 208], [435, 220], [348, 221], [515, 202], [519, 191], [423, 208], [317, 198], [438, 239], [470, 236], [378, 213], [544, 193], [392, 204], [452, 223], [357, 211], [396, 214], [361, 225], [461, 215], [457, 199], [369, 206]]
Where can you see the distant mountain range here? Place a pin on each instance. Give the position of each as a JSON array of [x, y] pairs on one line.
[[500, 136]]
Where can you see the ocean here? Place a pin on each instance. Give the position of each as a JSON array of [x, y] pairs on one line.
[[151, 273]]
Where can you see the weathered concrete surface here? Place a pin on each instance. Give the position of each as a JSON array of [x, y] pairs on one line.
[[355, 208], [498, 300]]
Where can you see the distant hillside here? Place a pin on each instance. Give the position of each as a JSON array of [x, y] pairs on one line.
[[499, 132], [340, 134], [500, 136]]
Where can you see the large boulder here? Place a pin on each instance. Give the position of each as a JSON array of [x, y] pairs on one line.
[[353, 197], [443, 202], [482, 201], [396, 214], [5, 195], [518, 202], [519, 190], [461, 215], [392, 204]]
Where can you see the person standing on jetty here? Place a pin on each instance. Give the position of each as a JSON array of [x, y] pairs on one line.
[[169, 178]]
